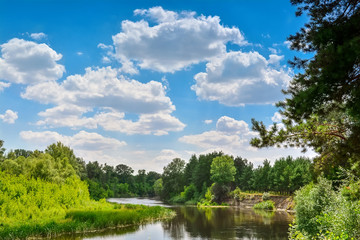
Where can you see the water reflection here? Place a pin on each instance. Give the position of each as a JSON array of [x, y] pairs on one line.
[[205, 223], [228, 223]]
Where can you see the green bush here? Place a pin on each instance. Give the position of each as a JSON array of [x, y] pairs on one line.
[[219, 191], [189, 192], [324, 213], [310, 201], [265, 205], [265, 196], [178, 199], [24, 199]]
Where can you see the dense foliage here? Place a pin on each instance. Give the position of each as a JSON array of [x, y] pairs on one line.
[[325, 213], [24, 199], [222, 173], [41, 193], [107, 181], [322, 111], [322, 108]]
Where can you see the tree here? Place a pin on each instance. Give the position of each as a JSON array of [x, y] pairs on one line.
[[322, 108], [201, 174], [124, 172], [19, 152], [222, 173], [244, 173], [223, 170], [190, 170], [151, 178], [59, 151], [2, 150], [262, 178], [173, 178], [158, 187]]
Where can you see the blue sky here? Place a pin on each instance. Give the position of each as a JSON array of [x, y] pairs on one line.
[[143, 82]]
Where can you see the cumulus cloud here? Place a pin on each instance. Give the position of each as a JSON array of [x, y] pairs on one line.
[[213, 139], [233, 137], [231, 126], [87, 145], [102, 87], [157, 124], [277, 117], [238, 78], [4, 85], [114, 95], [166, 155], [81, 141], [95, 147], [9, 116], [27, 62], [208, 121], [177, 40], [38, 36], [230, 134]]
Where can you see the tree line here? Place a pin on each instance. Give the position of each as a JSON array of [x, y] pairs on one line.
[[190, 181], [194, 177]]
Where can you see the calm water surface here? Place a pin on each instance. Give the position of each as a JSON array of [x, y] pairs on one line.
[[203, 223]]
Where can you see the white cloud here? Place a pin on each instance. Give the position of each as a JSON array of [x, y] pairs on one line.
[[105, 89], [233, 137], [273, 50], [4, 85], [277, 117], [106, 59], [38, 36], [79, 53], [102, 87], [213, 139], [95, 147], [28, 62], [106, 47], [67, 116], [174, 42], [165, 156], [9, 116], [89, 146], [81, 141], [157, 124], [70, 116], [238, 78], [208, 121], [287, 44], [232, 126], [275, 59], [230, 134], [158, 14]]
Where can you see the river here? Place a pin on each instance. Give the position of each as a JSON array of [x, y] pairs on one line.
[[200, 223]]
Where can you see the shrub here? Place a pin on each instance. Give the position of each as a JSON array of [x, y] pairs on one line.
[[178, 199], [265, 205], [219, 191], [189, 192], [266, 196], [310, 201], [323, 213]]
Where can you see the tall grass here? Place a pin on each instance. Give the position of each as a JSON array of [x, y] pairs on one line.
[[82, 220], [265, 205]]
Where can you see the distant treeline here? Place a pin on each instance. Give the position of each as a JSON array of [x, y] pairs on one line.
[[104, 181], [285, 176]]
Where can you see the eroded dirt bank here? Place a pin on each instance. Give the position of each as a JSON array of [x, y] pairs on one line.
[[282, 203]]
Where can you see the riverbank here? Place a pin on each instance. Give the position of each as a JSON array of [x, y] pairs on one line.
[[248, 200], [101, 217]]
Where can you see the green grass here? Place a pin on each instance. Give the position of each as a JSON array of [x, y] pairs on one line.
[[265, 205], [82, 220]]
